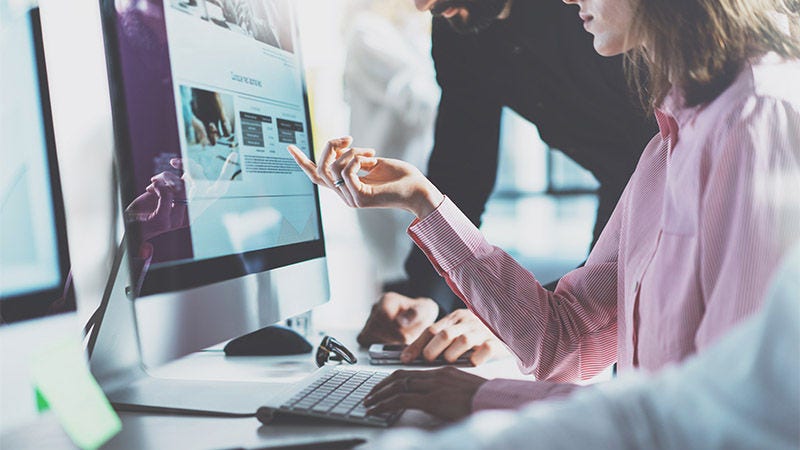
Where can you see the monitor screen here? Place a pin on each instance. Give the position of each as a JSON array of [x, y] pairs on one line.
[[207, 95], [33, 244]]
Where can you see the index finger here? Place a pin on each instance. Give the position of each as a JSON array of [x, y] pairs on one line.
[[414, 349], [397, 375], [387, 381], [306, 164], [442, 341]]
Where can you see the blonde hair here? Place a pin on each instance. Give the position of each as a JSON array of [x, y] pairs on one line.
[[700, 46]]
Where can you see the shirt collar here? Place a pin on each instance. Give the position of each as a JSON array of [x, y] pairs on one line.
[[672, 114], [667, 125]]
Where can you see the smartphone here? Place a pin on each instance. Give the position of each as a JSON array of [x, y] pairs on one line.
[[389, 354]]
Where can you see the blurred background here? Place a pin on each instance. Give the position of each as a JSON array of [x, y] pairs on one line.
[[370, 76]]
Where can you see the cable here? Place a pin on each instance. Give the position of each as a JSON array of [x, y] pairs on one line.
[[93, 324], [129, 407]]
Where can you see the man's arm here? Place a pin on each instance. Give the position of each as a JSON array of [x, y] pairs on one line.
[[463, 164]]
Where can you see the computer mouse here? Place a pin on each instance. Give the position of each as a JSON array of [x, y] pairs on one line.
[[274, 340]]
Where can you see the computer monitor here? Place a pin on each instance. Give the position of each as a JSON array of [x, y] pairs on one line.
[[37, 307], [224, 226]]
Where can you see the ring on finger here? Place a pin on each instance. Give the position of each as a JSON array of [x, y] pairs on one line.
[[338, 183]]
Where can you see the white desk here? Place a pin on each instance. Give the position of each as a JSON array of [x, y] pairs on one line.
[[150, 431]]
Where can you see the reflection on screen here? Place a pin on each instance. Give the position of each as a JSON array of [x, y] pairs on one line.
[[28, 241], [227, 186]]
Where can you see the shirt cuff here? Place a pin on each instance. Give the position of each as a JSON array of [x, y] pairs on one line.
[[446, 236], [501, 393]]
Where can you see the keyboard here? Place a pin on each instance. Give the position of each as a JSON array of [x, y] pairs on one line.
[[338, 394]]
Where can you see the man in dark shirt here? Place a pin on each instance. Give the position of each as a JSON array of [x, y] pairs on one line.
[[536, 58]]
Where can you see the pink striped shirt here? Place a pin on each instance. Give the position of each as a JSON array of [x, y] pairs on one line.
[[707, 215]]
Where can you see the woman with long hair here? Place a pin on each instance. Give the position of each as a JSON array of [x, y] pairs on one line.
[[709, 212]]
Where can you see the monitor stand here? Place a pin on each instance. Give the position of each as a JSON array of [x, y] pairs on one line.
[[116, 362], [275, 340]]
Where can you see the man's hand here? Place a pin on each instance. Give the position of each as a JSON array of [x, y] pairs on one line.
[[454, 335], [397, 319], [446, 393], [162, 207]]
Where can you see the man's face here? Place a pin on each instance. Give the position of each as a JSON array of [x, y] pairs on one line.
[[465, 16]]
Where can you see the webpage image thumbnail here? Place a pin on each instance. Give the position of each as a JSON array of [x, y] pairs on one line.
[[267, 21], [210, 134]]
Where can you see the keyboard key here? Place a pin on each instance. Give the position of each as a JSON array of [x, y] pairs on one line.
[[322, 407], [341, 409]]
